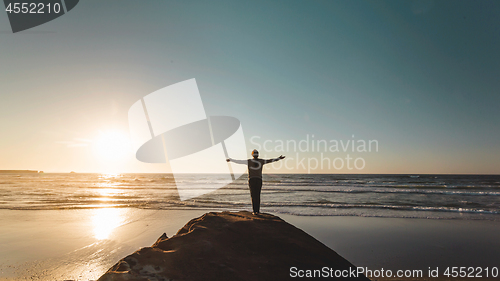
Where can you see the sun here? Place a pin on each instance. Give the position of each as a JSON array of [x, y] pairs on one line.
[[112, 146]]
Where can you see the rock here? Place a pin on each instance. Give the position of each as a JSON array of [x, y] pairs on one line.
[[230, 246]]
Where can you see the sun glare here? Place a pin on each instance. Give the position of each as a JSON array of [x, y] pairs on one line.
[[105, 221], [112, 146]]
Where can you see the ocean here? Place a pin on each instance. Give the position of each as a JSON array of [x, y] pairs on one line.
[[463, 197]]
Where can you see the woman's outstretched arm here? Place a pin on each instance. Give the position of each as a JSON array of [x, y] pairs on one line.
[[274, 159], [237, 161]]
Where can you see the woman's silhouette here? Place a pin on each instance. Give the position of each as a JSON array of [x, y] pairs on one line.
[[255, 176]]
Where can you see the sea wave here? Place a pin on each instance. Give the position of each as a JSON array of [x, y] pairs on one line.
[[425, 196]]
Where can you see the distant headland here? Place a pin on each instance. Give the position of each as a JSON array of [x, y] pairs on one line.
[[19, 172]]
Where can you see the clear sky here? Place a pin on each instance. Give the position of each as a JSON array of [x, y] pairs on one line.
[[420, 77]]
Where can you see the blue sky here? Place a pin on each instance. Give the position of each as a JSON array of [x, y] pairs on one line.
[[421, 77]]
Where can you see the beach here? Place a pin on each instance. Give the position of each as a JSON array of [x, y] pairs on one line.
[[76, 226], [407, 244], [76, 245]]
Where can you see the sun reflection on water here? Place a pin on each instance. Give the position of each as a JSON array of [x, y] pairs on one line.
[[105, 220], [106, 194], [110, 175]]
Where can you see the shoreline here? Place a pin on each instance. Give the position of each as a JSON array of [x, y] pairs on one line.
[[75, 244]]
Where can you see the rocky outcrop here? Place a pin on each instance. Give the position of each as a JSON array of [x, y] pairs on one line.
[[232, 246]]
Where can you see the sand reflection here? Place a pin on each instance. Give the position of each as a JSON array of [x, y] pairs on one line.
[[105, 220]]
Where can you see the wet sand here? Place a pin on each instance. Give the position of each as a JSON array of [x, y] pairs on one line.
[[83, 244], [78, 244], [407, 244]]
